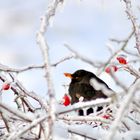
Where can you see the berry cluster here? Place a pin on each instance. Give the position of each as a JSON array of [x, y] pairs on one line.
[[112, 67]]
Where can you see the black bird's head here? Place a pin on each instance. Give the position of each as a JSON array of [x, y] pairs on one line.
[[80, 76]]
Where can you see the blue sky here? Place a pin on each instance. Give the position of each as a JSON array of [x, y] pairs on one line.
[[85, 25]]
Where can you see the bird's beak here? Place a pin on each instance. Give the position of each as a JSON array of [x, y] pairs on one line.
[[68, 75]]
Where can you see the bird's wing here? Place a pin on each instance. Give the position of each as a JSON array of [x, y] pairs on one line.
[[91, 93], [99, 85], [86, 91]]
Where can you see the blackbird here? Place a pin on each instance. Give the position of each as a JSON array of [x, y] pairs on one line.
[[81, 86]]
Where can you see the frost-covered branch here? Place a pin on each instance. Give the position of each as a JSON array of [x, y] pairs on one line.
[[50, 13], [134, 23], [15, 112], [32, 94], [85, 135], [19, 70], [16, 135], [118, 82], [45, 21], [121, 111], [97, 102], [83, 58], [18, 93], [62, 60], [40, 122], [84, 119], [132, 71], [31, 67]]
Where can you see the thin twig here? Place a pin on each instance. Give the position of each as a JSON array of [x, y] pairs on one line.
[[62, 60], [81, 134], [25, 93], [5, 122], [19, 70], [124, 45], [83, 58]]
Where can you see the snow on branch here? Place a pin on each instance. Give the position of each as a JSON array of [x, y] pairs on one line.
[[45, 21], [16, 135], [15, 112], [97, 102], [63, 59], [84, 119], [133, 19], [30, 67], [83, 58], [86, 136], [121, 111], [40, 122], [50, 13]]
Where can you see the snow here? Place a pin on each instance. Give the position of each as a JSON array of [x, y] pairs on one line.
[[16, 124]]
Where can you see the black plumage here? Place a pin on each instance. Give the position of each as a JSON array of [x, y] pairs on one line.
[[80, 86]]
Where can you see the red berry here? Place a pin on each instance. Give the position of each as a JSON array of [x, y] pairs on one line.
[[66, 100], [106, 116], [110, 68], [107, 70], [115, 68], [5, 86], [122, 60]]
